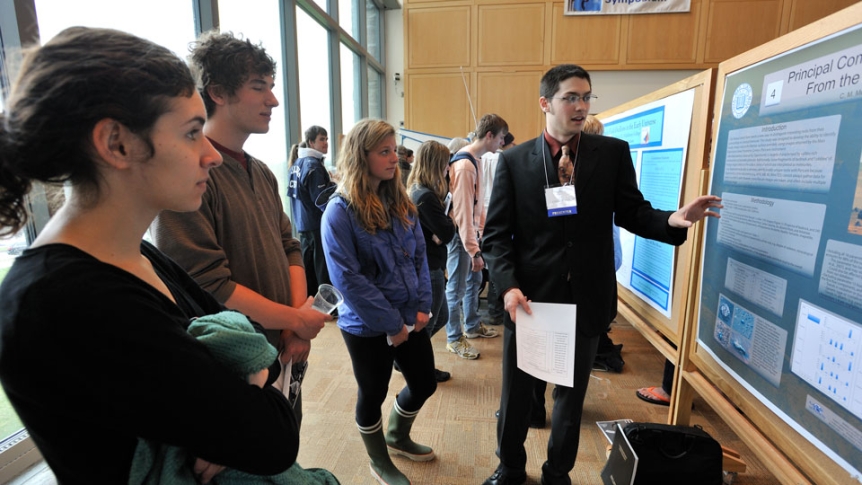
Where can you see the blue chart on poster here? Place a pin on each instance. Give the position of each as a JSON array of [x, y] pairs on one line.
[[781, 287]]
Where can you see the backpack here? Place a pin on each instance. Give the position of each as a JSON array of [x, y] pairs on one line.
[[462, 156]]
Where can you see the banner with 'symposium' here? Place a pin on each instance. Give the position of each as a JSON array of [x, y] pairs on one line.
[[620, 7]]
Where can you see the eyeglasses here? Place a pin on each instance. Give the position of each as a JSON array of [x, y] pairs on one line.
[[574, 98]]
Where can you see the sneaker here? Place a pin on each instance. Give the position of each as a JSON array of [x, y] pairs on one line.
[[462, 349], [483, 332]]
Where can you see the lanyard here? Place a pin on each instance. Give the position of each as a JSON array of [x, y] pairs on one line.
[[574, 163]]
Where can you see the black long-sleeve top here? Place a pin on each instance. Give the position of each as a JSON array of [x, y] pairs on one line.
[[92, 357], [434, 222]]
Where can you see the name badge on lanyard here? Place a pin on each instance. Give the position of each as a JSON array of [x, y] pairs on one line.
[[561, 201]]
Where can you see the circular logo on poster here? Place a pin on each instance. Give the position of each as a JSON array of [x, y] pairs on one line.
[[741, 100]]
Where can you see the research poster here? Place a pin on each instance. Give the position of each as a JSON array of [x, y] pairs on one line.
[[657, 134], [781, 283]]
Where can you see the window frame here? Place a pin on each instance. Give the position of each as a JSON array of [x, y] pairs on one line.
[[19, 27]]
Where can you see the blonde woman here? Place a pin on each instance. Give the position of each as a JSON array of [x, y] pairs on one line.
[[375, 252], [428, 189]]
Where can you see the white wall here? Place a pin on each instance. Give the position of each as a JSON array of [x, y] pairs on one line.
[[613, 88], [394, 31]]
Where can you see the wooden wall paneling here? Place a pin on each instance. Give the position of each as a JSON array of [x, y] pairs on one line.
[[426, 2], [515, 97], [438, 37], [511, 34], [664, 38], [550, 16], [735, 26], [702, 23], [437, 104], [784, 26], [581, 39], [803, 12]]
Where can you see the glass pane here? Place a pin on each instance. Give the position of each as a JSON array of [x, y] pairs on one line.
[[322, 5], [375, 106], [347, 17], [372, 15], [165, 22], [351, 98], [261, 25], [9, 249], [314, 85]]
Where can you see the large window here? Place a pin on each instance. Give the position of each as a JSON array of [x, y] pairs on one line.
[[347, 17], [373, 30], [375, 94], [165, 22], [351, 94], [261, 25], [314, 77]]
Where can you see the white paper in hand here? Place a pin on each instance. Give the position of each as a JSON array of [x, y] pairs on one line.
[[546, 342]]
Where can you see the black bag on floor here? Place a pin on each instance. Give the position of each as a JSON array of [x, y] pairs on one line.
[[674, 454]]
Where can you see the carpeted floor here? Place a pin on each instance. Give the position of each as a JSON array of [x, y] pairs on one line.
[[459, 423]]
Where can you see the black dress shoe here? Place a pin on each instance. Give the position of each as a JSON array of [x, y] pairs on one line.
[[538, 421], [559, 480], [503, 477]]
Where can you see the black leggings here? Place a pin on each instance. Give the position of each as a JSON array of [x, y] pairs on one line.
[[372, 359]]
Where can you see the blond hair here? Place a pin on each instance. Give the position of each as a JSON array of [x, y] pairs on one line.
[[593, 126], [429, 169], [356, 187]]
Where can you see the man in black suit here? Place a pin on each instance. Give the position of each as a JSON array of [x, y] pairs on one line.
[[567, 257]]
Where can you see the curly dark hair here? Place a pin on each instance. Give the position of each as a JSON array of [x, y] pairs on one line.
[[223, 61]]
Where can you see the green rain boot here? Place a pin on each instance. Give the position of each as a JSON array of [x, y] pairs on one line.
[[382, 468], [398, 436]]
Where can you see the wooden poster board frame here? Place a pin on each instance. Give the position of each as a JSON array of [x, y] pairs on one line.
[[662, 332], [789, 455]]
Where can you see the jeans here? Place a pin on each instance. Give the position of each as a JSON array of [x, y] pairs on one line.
[[439, 309], [462, 290]]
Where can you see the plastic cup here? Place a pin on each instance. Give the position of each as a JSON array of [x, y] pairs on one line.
[[327, 299]]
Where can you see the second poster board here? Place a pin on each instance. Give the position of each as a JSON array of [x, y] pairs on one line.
[[668, 133]]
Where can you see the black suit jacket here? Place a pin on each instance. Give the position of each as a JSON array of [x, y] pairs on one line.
[[568, 259]]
